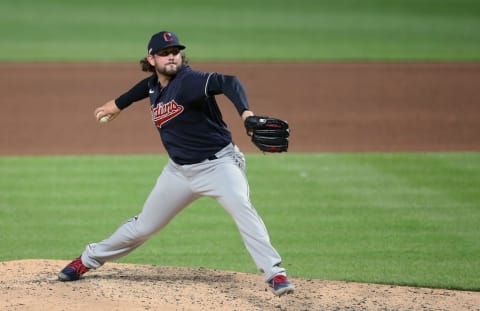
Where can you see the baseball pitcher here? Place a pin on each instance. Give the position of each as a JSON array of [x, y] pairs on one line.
[[203, 160]]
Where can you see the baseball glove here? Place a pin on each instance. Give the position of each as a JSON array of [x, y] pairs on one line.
[[268, 134]]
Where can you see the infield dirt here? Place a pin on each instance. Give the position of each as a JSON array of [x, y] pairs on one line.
[[47, 109]]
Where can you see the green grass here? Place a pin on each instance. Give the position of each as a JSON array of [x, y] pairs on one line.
[[302, 30], [402, 218]]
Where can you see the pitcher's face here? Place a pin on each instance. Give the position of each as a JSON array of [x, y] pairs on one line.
[[167, 61]]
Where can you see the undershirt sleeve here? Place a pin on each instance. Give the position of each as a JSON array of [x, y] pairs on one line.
[[138, 92], [231, 87]]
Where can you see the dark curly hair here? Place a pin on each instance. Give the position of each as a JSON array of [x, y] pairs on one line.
[[145, 65]]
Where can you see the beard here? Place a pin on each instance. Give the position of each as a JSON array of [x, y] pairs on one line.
[[170, 69]]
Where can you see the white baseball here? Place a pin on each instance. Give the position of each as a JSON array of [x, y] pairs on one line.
[[105, 119]]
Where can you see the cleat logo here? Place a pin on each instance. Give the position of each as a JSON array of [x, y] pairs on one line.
[[163, 113]]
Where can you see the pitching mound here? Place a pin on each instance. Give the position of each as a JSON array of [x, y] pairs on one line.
[[32, 285]]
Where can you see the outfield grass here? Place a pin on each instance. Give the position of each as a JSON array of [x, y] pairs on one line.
[[302, 30], [402, 218]]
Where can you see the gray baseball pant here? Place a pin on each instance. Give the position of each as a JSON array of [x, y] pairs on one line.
[[179, 185]]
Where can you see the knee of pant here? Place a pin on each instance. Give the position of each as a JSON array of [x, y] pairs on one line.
[[140, 230]]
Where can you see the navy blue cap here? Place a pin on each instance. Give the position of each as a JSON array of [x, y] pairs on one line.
[[161, 40]]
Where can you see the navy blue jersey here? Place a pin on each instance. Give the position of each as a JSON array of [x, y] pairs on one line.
[[186, 113]]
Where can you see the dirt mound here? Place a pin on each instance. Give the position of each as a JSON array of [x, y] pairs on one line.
[[32, 285]]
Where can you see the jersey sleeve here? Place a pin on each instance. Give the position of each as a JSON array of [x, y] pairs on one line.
[[138, 92], [231, 87]]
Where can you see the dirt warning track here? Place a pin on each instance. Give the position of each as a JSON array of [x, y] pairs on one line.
[[47, 108]]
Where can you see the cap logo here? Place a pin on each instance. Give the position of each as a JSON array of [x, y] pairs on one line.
[[167, 36]]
